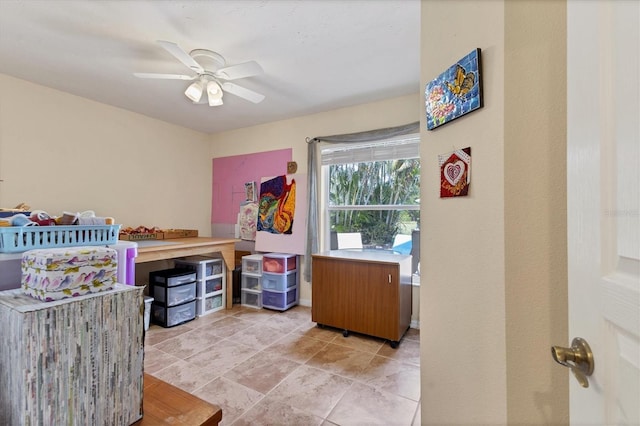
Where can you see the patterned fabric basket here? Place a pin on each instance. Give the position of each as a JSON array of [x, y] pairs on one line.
[[58, 273], [14, 239]]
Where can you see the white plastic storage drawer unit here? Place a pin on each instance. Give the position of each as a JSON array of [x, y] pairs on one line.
[[251, 282], [279, 262], [210, 285], [280, 300], [208, 304], [252, 264], [211, 282], [204, 266], [251, 298], [279, 282]]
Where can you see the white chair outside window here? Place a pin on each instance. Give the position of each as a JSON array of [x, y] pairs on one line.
[[402, 243], [349, 240]]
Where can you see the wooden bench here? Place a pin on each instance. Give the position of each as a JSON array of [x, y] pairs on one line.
[[165, 404]]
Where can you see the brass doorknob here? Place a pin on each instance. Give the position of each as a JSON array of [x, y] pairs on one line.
[[578, 358]]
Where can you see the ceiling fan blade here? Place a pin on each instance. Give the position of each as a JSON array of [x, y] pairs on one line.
[[163, 76], [242, 92], [181, 55], [245, 69]]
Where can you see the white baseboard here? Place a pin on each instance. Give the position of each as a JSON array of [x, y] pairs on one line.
[[415, 324], [305, 302]]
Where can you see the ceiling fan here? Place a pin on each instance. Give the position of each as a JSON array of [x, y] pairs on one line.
[[212, 75]]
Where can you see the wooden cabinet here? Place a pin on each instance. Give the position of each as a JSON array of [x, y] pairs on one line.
[[367, 292]]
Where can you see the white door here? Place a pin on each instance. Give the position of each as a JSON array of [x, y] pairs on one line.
[[603, 183]]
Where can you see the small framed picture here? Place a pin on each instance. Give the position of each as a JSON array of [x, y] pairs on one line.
[[250, 191]]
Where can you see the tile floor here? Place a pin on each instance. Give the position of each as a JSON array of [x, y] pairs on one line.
[[278, 368]]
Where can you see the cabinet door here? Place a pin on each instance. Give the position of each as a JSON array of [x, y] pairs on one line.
[[329, 304], [373, 296]]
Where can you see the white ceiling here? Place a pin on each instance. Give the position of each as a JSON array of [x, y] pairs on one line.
[[317, 55]]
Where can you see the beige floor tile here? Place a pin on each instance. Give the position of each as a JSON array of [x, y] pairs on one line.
[[392, 376], [157, 334], [262, 372], [299, 313], [310, 329], [283, 322], [360, 342], [206, 320], [311, 390], [233, 398], [259, 336], [186, 376], [252, 314], [222, 356], [296, 347], [365, 405], [189, 343], [272, 412], [155, 360], [228, 326], [341, 360], [408, 351], [412, 334]]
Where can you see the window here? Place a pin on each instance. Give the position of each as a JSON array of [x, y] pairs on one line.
[[372, 189]]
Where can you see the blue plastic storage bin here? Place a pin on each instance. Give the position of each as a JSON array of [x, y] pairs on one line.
[[279, 282], [15, 239]]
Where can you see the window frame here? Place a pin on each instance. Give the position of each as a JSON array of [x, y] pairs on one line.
[[403, 147]]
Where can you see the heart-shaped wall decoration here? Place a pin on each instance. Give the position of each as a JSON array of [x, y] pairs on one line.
[[454, 171]]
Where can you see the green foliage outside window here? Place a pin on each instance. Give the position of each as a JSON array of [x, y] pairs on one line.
[[380, 183]]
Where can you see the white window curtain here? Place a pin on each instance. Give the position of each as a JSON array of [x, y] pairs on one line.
[[313, 171], [393, 149]]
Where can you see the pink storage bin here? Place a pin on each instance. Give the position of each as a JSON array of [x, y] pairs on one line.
[[279, 262]]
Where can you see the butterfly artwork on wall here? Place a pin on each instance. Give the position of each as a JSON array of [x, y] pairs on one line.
[[455, 92], [462, 83]]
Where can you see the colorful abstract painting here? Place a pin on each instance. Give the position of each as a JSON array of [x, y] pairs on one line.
[[277, 205], [455, 92]]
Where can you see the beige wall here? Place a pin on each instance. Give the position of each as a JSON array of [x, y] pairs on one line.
[[535, 209], [463, 362], [293, 132], [61, 152], [494, 270]]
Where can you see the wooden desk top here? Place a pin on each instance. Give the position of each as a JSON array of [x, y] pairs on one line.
[[180, 247], [165, 404], [183, 247]]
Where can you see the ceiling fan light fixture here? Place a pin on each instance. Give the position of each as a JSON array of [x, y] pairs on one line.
[[214, 93], [214, 90], [215, 102], [194, 91], [212, 75]]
